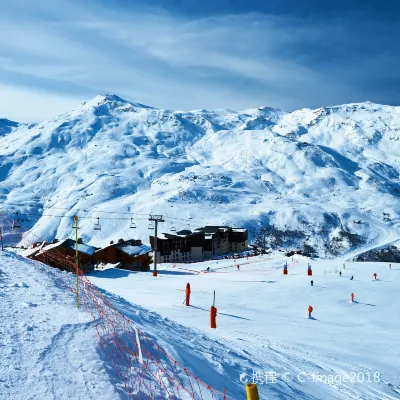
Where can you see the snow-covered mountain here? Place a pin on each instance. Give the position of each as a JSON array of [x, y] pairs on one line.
[[6, 126], [327, 177]]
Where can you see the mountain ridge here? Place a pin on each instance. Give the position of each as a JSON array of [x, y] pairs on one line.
[[309, 173]]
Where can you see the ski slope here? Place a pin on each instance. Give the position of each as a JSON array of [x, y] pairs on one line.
[[49, 349], [262, 324]]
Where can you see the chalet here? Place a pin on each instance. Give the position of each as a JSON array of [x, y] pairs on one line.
[[54, 253], [129, 254], [181, 246]]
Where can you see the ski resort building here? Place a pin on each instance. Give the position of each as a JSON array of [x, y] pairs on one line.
[[53, 254], [129, 254], [179, 247], [201, 244], [220, 240]]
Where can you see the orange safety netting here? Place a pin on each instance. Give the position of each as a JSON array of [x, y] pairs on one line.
[[145, 369]]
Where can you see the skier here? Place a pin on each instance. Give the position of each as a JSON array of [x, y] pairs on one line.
[[340, 273], [312, 283], [238, 267], [208, 269], [310, 310], [351, 278], [390, 266], [352, 297], [375, 275]]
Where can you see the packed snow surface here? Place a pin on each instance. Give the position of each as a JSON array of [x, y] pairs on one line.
[[48, 349], [320, 174], [347, 350]]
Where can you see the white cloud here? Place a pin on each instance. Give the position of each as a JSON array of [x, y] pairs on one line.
[[24, 105], [72, 49]]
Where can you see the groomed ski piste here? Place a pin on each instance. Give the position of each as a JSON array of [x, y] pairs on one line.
[[51, 350]]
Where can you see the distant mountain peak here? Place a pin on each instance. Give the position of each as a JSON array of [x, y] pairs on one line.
[[113, 101]]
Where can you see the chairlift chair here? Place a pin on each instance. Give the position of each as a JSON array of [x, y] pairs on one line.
[[97, 226], [16, 222], [133, 225], [151, 225], [172, 229]]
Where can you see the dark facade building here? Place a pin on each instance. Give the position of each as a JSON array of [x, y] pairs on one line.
[[199, 245], [221, 240], [179, 247]]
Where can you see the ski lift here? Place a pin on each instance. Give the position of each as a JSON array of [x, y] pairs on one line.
[[172, 229], [97, 226], [151, 225], [133, 225], [16, 223]]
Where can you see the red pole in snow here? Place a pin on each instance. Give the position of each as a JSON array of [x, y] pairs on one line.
[[187, 300]]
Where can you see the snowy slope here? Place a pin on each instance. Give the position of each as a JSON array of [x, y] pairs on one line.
[[7, 126], [347, 351], [48, 349], [325, 176]]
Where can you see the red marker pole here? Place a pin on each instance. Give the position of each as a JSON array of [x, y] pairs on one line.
[[187, 294], [213, 315]]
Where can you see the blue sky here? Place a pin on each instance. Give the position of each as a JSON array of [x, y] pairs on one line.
[[190, 54]]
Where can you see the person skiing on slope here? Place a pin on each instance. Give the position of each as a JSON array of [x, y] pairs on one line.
[[340, 273]]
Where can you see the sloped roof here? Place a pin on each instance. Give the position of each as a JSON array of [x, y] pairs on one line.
[[133, 250], [69, 244], [82, 248], [116, 245], [211, 229]]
